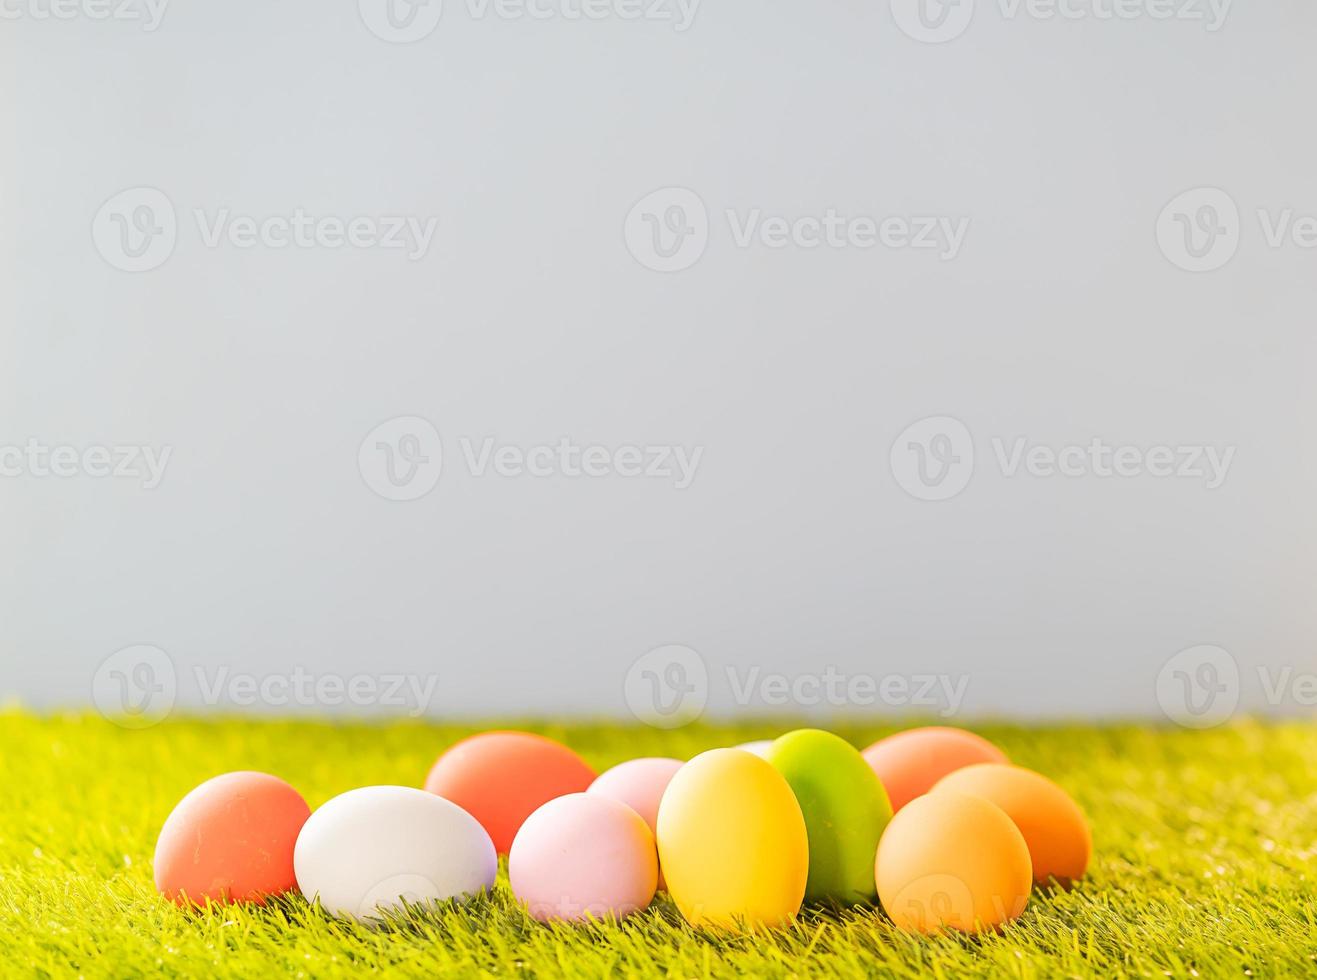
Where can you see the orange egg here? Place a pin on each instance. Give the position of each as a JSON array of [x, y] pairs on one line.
[[501, 778], [1053, 826], [230, 840], [910, 762], [952, 861]]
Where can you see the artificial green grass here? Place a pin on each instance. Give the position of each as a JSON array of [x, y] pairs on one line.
[[1204, 855]]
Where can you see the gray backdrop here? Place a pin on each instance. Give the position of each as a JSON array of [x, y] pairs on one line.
[[486, 355]]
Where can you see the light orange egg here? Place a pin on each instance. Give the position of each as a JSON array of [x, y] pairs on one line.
[[1053, 826], [910, 762], [952, 861], [230, 840]]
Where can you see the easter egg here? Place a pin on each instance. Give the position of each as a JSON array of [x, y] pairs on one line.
[[845, 810], [1052, 824], [910, 762], [759, 748], [583, 856], [379, 848], [230, 840], [501, 778], [639, 783], [732, 842], [952, 861]]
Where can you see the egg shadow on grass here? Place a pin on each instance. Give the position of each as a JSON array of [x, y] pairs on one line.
[[287, 907], [1054, 887], [740, 937], [835, 909], [957, 937], [431, 919]]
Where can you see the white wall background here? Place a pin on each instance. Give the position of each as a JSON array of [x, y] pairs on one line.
[[795, 549]]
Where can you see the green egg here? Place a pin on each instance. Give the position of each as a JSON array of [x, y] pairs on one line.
[[846, 810]]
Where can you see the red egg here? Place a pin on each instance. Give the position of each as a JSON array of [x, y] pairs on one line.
[[230, 840], [501, 778], [910, 762]]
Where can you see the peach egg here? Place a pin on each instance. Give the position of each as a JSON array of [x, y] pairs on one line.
[[583, 856], [501, 778], [952, 861], [1053, 826], [909, 763], [230, 840]]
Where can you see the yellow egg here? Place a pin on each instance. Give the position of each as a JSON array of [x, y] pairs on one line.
[[732, 842], [952, 861]]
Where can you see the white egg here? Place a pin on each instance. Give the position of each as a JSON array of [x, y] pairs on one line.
[[372, 848], [759, 748]]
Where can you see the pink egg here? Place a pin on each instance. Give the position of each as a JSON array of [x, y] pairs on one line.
[[583, 856], [639, 784]]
